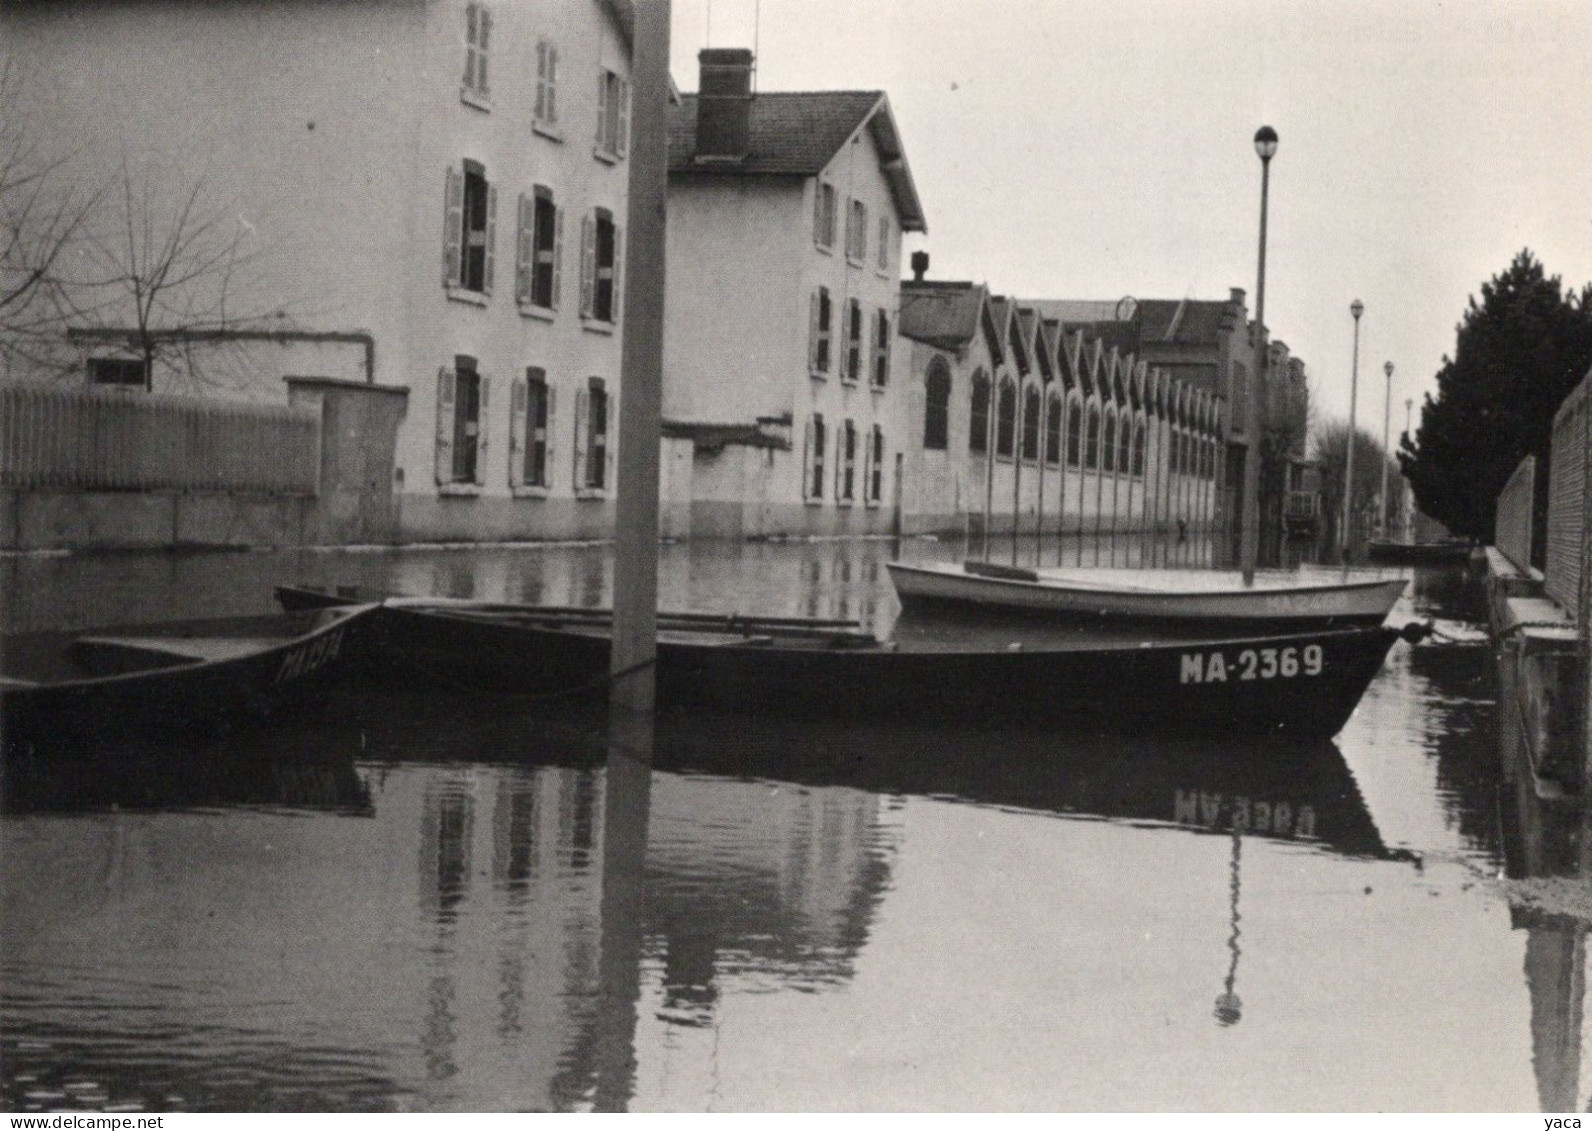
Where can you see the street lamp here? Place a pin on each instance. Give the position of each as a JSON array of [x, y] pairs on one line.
[[1356, 308], [1404, 510], [1387, 408], [1265, 147]]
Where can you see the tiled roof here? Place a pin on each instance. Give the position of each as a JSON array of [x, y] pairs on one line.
[[797, 133], [1189, 321], [941, 314]]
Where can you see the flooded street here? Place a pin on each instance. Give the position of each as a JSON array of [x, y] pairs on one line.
[[439, 901]]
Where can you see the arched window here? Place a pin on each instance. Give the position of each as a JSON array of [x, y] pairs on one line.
[[978, 418], [1074, 433], [1031, 411], [1138, 449], [1006, 420], [1125, 444], [937, 406], [1174, 451], [1109, 463], [1053, 432], [1091, 454]]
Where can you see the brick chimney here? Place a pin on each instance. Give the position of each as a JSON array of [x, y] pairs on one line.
[[724, 104], [920, 265]]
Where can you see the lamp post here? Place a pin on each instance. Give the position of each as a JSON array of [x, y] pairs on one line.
[[1356, 308], [1387, 408], [1404, 510], [1249, 531]]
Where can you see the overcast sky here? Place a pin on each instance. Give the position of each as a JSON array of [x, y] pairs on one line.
[[1100, 148]]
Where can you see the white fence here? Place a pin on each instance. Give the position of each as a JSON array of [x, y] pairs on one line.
[[85, 439], [1566, 494], [1512, 528]]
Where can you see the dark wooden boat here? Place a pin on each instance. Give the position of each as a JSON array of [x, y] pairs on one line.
[[1301, 685], [87, 690], [1417, 553]]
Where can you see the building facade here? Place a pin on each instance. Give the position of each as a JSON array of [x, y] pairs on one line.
[[430, 196]]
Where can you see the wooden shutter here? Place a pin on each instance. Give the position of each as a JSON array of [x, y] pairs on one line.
[[552, 84], [602, 106], [453, 227], [484, 28], [491, 237], [524, 249], [549, 461], [517, 431], [867, 466], [807, 459], [610, 442], [579, 464], [812, 333], [481, 418], [818, 210], [558, 254], [887, 336], [446, 385], [622, 142], [619, 263], [588, 264], [540, 113]]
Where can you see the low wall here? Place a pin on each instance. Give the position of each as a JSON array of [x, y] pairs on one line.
[[142, 520]]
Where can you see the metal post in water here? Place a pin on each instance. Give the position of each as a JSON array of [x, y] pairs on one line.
[[635, 634]]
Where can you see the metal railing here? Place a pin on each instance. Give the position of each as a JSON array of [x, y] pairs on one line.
[[88, 439], [1566, 492], [1512, 528]]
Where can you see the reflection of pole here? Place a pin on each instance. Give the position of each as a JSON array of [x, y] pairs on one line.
[[1229, 1009], [635, 633]]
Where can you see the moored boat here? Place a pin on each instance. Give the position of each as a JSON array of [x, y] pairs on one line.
[[86, 690], [1417, 553], [1212, 598], [1301, 685]]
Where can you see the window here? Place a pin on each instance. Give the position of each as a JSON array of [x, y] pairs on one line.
[[978, 415], [477, 43], [1240, 397], [824, 214], [1053, 432], [613, 114], [1091, 455], [881, 349], [813, 477], [461, 411], [1031, 412], [545, 114], [1177, 452], [873, 485], [469, 230], [1074, 433], [1006, 420], [1138, 449], [857, 231], [600, 259], [591, 437], [818, 336], [118, 372], [1109, 444], [539, 261], [884, 245], [853, 341], [530, 432], [937, 406], [846, 470]]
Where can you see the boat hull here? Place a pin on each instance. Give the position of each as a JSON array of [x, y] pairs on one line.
[[101, 688], [1286, 609], [1296, 686], [1417, 553]]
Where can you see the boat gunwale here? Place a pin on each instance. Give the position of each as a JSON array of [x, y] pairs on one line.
[[1043, 583]]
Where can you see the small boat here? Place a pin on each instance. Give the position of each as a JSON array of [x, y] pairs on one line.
[[1298, 686], [89, 690], [1418, 553], [1215, 598]]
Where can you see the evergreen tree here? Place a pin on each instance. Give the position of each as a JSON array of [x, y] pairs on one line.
[[1517, 354]]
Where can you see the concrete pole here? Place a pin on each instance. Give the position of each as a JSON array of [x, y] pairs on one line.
[[1387, 412], [1249, 533], [1356, 308], [635, 638]]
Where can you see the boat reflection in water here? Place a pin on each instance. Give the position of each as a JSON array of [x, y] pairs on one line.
[[514, 897]]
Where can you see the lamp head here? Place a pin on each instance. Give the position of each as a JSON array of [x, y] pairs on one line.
[[1357, 308], [1388, 369], [1265, 142]]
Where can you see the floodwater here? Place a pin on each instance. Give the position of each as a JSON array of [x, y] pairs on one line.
[[438, 902]]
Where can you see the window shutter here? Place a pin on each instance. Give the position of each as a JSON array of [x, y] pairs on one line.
[[549, 461], [445, 392], [887, 339], [552, 84], [602, 106], [471, 38], [840, 457], [867, 466], [812, 333], [588, 264], [540, 113], [579, 479], [491, 236], [619, 264], [485, 43], [807, 459], [622, 142], [558, 253], [610, 446], [517, 398], [481, 431], [818, 211], [524, 250], [452, 227]]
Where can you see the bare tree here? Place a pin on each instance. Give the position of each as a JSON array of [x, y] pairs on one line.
[[1331, 448]]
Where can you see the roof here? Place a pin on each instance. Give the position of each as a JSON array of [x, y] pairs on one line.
[[797, 134], [1188, 321], [943, 314]]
